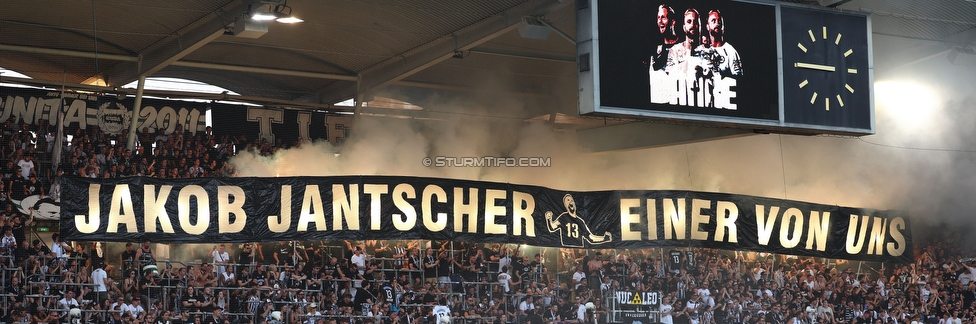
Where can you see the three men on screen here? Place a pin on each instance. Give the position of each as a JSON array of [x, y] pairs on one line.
[[699, 71]]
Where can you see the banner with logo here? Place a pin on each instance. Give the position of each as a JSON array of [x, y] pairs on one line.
[[358, 208], [636, 299], [109, 113]]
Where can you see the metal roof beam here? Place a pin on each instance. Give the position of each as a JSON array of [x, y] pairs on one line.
[[173, 48], [832, 3], [177, 95], [54, 51], [927, 50], [418, 59]]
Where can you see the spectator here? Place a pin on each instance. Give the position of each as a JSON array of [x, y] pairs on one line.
[[27, 166], [68, 302], [220, 257]]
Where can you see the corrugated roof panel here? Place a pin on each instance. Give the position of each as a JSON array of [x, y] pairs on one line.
[[933, 20]]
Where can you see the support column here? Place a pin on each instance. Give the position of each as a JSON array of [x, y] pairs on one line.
[[134, 121]]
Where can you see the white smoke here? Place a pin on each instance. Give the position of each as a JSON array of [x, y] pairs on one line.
[[922, 166]]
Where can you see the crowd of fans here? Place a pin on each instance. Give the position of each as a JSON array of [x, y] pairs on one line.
[[181, 154], [27, 155], [401, 281]]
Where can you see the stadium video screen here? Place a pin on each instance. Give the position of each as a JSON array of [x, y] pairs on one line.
[[713, 58]]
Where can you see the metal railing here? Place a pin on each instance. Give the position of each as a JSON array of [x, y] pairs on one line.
[[170, 284]]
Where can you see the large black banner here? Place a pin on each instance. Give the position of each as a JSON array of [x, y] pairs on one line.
[[357, 208], [110, 113]]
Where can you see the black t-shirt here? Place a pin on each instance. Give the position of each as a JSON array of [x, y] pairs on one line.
[[127, 258], [648, 268], [388, 294], [445, 268], [94, 258], [20, 235], [244, 256], [21, 254], [191, 300], [949, 275], [210, 306], [550, 315], [346, 303], [968, 297], [569, 313], [315, 253], [295, 283], [534, 318], [674, 258], [429, 298], [39, 250], [536, 266], [33, 188], [284, 254], [15, 290], [660, 58], [431, 271], [17, 187], [330, 269], [314, 285], [488, 255], [415, 261], [260, 277], [152, 291], [383, 250], [525, 272], [267, 252], [468, 273]]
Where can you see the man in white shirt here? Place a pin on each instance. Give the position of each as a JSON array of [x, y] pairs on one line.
[[442, 312], [954, 319], [68, 302], [606, 285], [26, 166], [580, 311], [525, 307], [227, 277], [135, 308], [313, 313], [692, 308], [220, 257], [98, 278], [505, 280], [578, 275], [972, 270], [359, 259], [8, 242], [703, 290], [59, 248]]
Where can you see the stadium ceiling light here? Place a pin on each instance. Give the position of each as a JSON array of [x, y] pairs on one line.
[[277, 10]]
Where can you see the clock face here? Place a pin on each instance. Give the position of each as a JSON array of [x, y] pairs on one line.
[[826, 76]]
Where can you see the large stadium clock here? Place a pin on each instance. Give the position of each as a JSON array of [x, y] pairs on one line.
[[831, 70], [826, 72]]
